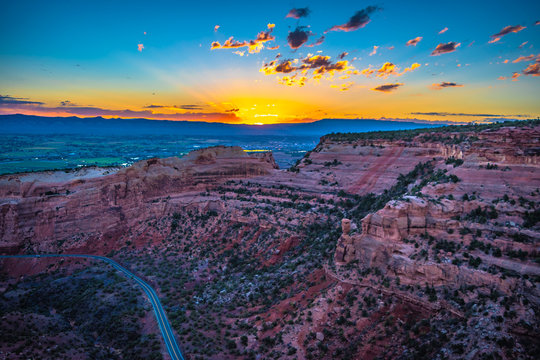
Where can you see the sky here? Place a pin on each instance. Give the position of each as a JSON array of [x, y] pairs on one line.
[[284, 61]]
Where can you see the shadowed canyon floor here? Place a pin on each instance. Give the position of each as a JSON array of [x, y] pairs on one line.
[[417, 244]]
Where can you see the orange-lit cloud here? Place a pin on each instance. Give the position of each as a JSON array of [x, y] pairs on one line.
[[527, 58], [388, 69], [140, 47], [254, 46], [343, 87], [523, 44], [273, 47], [216, 28], [386, 88], [414, 41], [532, 69], [444, 48], [443, 30], [357, 21], [444, 85], [515, 76], [374, 51], [494, 40], [342, 55], [502, 78]]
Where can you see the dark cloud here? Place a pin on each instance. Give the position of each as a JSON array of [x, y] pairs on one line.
[[359, 20], [233, 110], [437, 113], [537, 22], [298, 13], [527, 58], [342, 55], [67, 103], [445, 48], [507, 30], [298, 37], [414, 41], [445, 84], [387, 87], [10, 100]]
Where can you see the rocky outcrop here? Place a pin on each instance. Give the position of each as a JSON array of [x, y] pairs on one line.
[[91, 209]]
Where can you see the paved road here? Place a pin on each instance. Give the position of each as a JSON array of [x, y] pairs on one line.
[[164, 326]]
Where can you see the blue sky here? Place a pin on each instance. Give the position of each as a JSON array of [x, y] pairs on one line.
[[86, 55]]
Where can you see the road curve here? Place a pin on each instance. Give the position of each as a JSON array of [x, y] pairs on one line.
[[164, 325]]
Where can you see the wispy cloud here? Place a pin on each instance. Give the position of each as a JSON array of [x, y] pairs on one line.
[[505, 31], [317, 43], [445, 84], [443, 30], [298, 13], [386, 88], [374, 51], [357, 21], [527, 58], [414, 41], [444, 48], [10, 100], [443, 113]]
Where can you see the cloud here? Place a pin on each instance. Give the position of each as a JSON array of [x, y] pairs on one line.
[[298, 13], [537, 22], [357, 21], [387, 87], [527, 58], [239, 53], [501, 78], [254, 46], [9, 100], [179, 107], [319, 65], [532, 69], [494, 40], [140, 47], [343, 87], [342, 55], [374, 51], [273, 47], [317, 43], [414, 41], [298, 37], [437, 113], [216, 28], [388, 69], [67, 103], [443, 30], [507, 30], [445, 84], [443, 48], [10, 105], [523, 44]]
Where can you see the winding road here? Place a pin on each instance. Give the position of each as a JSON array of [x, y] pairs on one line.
[[164, 325]]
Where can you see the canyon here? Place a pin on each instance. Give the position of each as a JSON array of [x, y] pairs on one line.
[[412, 244]]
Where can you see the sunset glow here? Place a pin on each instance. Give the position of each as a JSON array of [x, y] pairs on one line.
[[240, 65]]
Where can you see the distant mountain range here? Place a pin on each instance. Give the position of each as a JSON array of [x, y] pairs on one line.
[[29, 124]]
